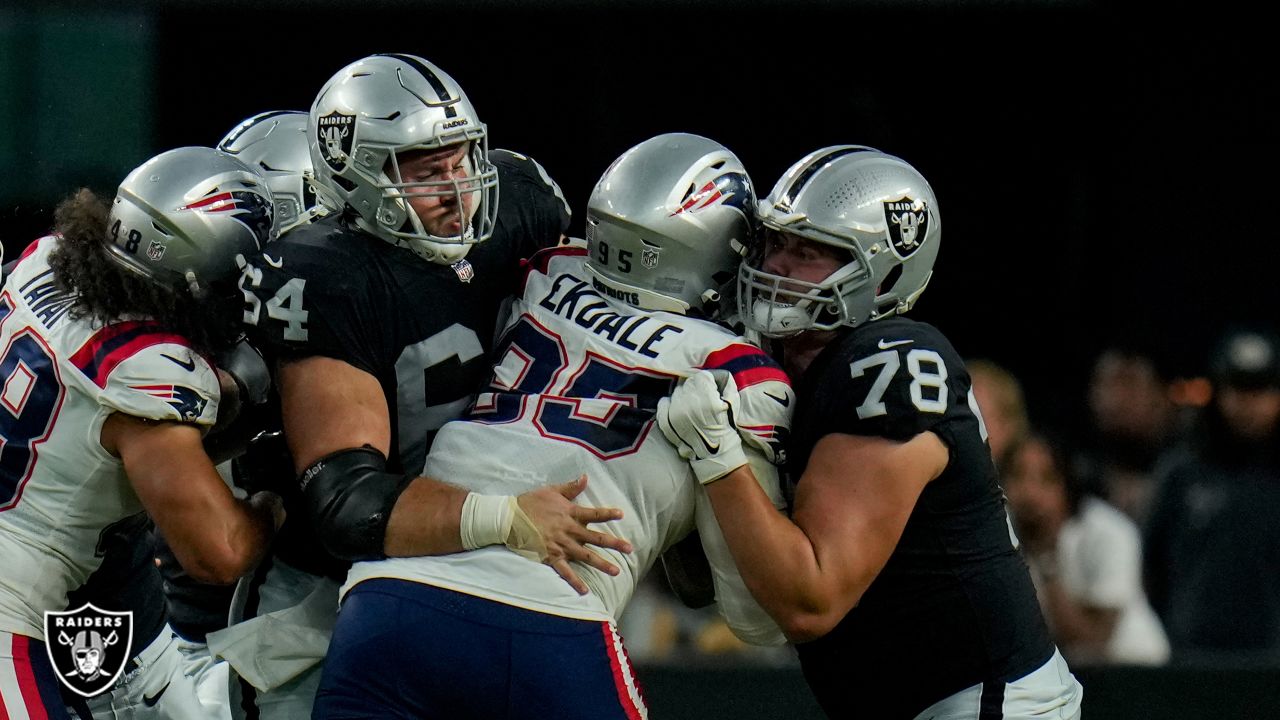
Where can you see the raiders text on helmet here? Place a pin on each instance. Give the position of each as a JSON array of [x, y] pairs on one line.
[[383, 105], [666, 223], [275, 145], [859, 199], [181, 218]]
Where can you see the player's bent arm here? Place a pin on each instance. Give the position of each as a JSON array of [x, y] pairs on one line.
[[851, 506], [333, 410], [215, 536]]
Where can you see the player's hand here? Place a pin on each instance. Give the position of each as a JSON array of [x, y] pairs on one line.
[[698, 420], [550, 527]]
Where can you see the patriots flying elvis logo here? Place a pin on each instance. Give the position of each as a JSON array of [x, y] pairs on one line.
[[189, 403], [732, 189], [247, 208]]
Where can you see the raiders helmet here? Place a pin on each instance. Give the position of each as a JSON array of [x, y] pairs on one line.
[[181, 218], [667, 223], [275, 145], [383, 105], [859, 199]]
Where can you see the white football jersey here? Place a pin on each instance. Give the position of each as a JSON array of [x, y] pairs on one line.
[[576, 380], [60, 378]]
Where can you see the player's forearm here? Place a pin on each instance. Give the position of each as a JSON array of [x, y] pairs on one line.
[[779, 563], [426, 520]]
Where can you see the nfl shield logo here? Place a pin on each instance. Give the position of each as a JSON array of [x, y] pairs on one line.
[[908, 222], [88, 647], [334, 132], [649, 257], [464, 270], [155, 250]]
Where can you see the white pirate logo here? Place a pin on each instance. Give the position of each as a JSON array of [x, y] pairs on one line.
[[334, 132], [88, 647], [908, 223]]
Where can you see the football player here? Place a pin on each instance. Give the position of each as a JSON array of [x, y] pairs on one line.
[[173, 674], [106, 328], [596, 338], [898, 576], [378, 320]]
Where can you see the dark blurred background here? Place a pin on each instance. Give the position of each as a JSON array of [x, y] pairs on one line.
[[1098, 169]]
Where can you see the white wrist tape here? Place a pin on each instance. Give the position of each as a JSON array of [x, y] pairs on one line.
[[486, 520]]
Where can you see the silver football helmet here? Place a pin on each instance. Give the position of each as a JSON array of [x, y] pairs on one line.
[[181, 218], [383, 105], [859, 199], [668, 222], [275, 145]]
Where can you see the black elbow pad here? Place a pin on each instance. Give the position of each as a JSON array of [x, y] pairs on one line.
[[348, 496]]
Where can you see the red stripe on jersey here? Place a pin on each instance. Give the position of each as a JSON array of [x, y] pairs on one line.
[[542, 259], [114, 344], [625, 698], [748, 364], [27, 678], [30, 249]]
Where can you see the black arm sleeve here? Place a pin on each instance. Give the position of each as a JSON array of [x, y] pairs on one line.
[[347, 497]]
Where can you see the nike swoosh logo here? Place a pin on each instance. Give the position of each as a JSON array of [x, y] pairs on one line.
[[277, 264], [784, 401], [886, 345], [713, 449], [151, 700], [189, 365]]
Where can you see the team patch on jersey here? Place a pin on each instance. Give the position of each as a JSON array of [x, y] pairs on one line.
[[908, 223], [189, 403], [748, 364], [466, 273], [336, 132], [88, 647]]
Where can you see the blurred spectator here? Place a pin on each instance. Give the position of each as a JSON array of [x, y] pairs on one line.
[[1086, 560], [1212, 541], [1133, 423], [999, 396]]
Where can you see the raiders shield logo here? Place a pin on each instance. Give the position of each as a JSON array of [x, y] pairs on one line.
[[908, 223], [335, 132], [88, 647]]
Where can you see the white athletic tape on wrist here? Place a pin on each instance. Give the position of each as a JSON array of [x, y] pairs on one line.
[[486, 520]]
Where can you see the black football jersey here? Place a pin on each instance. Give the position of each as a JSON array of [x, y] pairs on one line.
[[422, 329], [954, 605]]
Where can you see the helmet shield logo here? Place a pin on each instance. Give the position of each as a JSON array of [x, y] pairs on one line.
[[649, 257], [155, 250], [908, 222], [88, 647], [334, 133]]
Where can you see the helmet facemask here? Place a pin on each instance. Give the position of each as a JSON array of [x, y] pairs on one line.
[[872, 205], [466, 192]]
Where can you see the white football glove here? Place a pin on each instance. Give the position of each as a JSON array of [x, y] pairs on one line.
[[698, 420]]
